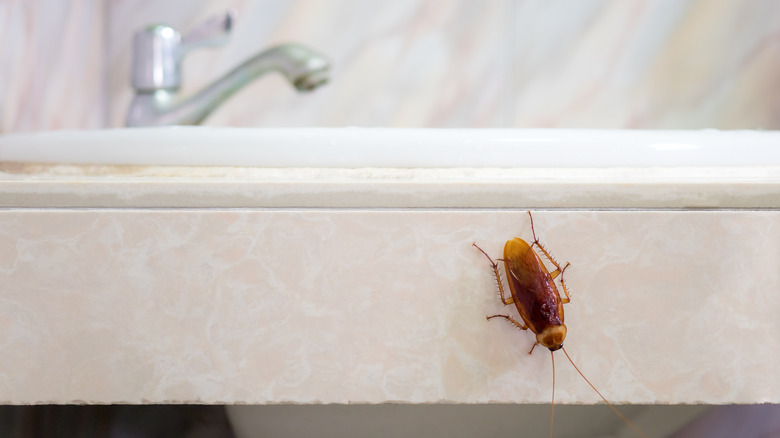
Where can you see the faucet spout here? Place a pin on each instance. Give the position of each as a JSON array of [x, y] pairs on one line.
[[303, 68]]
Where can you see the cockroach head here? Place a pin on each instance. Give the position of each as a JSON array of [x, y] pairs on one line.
[[552, 336]]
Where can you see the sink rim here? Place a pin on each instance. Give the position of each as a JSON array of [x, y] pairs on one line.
[[395, 147]]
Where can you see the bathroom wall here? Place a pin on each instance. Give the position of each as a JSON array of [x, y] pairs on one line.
[[52, 65], [418, 63]]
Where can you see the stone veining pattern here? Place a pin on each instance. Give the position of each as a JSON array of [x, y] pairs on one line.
[[686, 64], [327, 305]]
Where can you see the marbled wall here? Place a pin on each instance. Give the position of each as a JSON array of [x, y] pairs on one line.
[[52, 66], [418, 63]]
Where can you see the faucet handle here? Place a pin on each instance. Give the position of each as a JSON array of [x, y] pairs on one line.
[[158, 50], [213, 32]]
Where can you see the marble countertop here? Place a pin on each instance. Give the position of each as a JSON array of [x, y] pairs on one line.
[[41, 185]]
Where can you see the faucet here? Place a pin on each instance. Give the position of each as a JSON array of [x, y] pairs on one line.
[[156, 76]]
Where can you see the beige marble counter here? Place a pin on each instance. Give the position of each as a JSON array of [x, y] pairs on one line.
[[306, 305], [26, 185]]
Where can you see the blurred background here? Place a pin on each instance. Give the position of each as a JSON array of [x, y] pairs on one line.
[[652, 64]]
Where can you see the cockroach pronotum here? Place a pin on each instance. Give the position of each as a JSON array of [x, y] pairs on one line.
[[536, 297]]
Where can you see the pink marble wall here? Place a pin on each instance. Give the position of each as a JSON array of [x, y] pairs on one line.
[[52, 65], [417, 63]]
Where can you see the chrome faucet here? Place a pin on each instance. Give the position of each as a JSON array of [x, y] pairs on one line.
[[156, 77]]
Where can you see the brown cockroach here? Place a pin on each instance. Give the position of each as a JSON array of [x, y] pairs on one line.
[[536, 297]]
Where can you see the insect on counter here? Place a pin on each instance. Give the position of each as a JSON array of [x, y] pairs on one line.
[[535, 294]]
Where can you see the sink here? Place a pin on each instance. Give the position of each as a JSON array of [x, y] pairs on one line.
[[390, 168], [386, 147]]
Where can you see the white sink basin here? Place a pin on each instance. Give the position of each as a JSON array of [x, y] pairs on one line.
[[382, 147]]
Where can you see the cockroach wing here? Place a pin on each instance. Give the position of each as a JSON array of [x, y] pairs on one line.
[[533, 289]]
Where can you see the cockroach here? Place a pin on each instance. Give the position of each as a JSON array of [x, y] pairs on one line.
[[536, 297]]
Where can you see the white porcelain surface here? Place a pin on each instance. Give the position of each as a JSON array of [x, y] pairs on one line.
[[269, 306], [382, 147]]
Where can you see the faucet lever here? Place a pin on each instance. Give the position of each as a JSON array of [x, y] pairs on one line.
[[213, 32], [158, 50]]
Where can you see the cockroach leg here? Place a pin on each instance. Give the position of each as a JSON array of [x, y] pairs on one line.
[[565, 291], [554, 274], [563, 283], [504, 299], [532, 227], [558, 270], [521, 326], [532, 347], [539, 245]]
